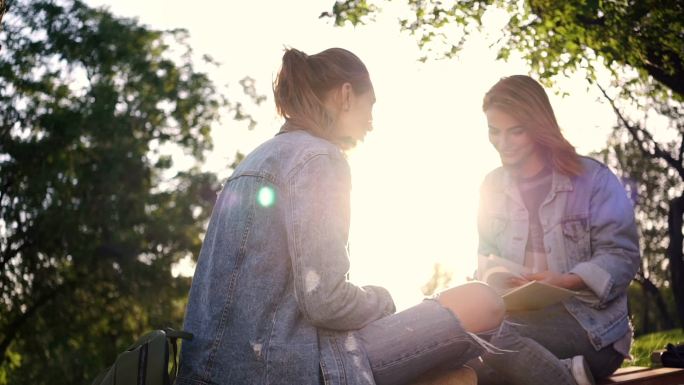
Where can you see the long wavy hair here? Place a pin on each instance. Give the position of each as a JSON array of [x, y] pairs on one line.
[[304, 81], [525, 99]]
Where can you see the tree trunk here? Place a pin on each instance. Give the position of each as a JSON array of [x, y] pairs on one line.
[[651, 291], [3, 9], [675, 254], [646, 309]]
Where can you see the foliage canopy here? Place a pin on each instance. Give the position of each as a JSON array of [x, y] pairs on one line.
[[91, 216]]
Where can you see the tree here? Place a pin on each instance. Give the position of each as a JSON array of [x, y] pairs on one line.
[[656, 172], [651, 283], [440, 279], [92, 218], [639, 43], [3, 7]]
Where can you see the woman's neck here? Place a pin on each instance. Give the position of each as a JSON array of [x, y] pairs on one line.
[[531, 167]]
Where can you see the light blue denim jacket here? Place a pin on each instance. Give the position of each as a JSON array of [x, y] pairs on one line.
[[270, 302], [589, 230]]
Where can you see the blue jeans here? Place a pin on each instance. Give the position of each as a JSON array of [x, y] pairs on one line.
[[537, 341], [402, 346]]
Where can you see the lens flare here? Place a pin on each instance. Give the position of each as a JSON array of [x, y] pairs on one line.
[[266, 196]]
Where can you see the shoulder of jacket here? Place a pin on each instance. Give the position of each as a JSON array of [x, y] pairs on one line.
[[593, 168], [303, 148], [306, 145], [591, 163], [494, 177], [278, 158]]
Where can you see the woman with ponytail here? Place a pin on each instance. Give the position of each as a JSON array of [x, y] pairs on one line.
[[270, 301], [567, 220]]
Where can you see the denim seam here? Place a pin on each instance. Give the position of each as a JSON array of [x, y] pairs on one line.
[[296, 261], [229, 298], [270, 337], [324, 371], [338, 359], [256, 174], [299, 166]]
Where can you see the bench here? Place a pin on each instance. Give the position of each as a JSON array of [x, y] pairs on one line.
[[639, 375]]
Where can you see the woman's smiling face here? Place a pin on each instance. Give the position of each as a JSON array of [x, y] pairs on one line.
[[513, 142]]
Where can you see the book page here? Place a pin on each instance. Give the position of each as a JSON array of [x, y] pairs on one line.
[[498, 272], [533, 295]]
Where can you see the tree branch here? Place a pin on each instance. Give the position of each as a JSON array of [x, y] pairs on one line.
[[681, 144], [675, 81], [10, 332], [3, 9], [593, 21], [643, 144]]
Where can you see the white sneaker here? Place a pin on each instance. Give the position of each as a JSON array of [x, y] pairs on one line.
[[580, 371]]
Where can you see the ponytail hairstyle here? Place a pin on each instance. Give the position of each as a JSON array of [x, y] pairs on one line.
[[525, 99], [304, 81]]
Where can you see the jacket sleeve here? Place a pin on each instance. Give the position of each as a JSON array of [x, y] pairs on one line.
[[317, 220], [614, 240]]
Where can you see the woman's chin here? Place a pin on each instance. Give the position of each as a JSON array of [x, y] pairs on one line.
[[349, 142], [508, 161]]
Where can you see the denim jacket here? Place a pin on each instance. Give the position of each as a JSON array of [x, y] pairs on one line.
[[589, 230], [270, 302]]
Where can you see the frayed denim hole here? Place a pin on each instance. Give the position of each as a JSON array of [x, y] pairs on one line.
[[504, 325], [487, 346]]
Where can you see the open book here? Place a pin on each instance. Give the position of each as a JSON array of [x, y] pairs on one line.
[[533, 295]]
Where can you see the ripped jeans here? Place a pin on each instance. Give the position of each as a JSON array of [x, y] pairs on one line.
[[402, 346], [536, 342]]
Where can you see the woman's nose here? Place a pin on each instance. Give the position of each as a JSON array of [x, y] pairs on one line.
[[501, 141]]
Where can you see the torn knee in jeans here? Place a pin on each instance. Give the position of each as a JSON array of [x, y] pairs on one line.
[[492, 340], [478, 306]]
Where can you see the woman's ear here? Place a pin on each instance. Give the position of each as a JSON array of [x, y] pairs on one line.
[[346, 96], [339, 99]]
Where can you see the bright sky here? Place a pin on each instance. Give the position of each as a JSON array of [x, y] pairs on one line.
[[416, 178]]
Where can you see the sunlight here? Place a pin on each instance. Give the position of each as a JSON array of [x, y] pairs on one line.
[[416, 178], [414, 197]]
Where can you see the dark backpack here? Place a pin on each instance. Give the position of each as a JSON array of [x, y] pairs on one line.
[[673, 356], [146, 362]]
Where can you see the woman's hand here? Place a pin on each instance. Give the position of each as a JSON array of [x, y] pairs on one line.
[[515, 282], [567, 281]]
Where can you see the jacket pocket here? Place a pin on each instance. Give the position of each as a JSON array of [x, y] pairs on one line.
[[498, 225], [576, 235], [497, 232]]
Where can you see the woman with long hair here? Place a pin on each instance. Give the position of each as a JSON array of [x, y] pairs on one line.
[[567, 220], [270, 301]]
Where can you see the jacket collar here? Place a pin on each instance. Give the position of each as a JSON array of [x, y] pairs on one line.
[[559, 182]]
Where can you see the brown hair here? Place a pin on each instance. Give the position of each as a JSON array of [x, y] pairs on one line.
[[304, 81], [525, 99]]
